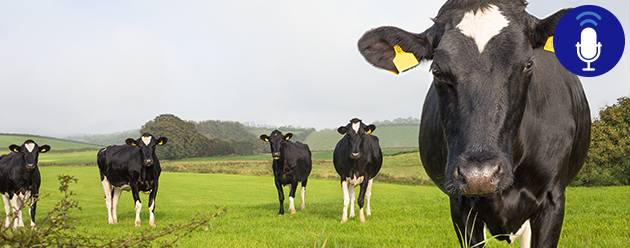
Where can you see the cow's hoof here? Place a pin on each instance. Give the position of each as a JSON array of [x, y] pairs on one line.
[[137, 223], [302, 208], [343, 221], [362, 218], [292, 211], [352, 215]]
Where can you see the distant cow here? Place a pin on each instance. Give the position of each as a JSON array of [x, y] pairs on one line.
[[20, 180], [291, 164], [134, 167], [505, 127], [357, 159]]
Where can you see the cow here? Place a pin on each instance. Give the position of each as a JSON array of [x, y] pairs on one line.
[[20, 180], [291, 164], [133, 166], [357, 159], [505, 127]]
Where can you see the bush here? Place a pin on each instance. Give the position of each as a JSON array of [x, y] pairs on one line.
[[608, 160]]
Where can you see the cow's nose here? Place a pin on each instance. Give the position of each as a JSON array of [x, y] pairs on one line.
[[355, 155], [479, 179], [148, 162], [30, 166], [276, 155]]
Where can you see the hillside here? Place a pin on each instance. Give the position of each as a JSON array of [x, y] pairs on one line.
[[57, 144], [389, 137]]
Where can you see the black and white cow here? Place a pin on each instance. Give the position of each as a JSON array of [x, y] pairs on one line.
[[357, 159], [134, 167], [291, 164], [505, 127], [20, 180]]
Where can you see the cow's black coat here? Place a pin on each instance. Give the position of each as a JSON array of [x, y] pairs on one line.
[[134, 167], [504, 131], [357, 159], [20, 178], [291, 164]]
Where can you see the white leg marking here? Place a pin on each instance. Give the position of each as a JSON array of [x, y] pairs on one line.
[[346, 201], [368, 195], [151, 216], [138, 207], [352, 195], [361, 216], [291, 204], [525, 233], [107, 188], [483, 25], [302, 193], [7, 210], [17, 211], [115, 197]]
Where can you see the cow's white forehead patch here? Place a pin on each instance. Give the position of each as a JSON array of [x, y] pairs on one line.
[[483, 25], [146, 140], [29, 146], [355, 126]]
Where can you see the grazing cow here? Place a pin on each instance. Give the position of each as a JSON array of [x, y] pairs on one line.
[[357, 159], [134, 167], [20, 180], [505, 127], [291, 164]]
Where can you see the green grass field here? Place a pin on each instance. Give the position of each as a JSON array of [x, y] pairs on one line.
[[56, 144], [402, 215]]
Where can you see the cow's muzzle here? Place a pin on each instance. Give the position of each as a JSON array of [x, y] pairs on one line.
[[276, 155], [30, 166], [148, 162], [355, 155], [478, 180]]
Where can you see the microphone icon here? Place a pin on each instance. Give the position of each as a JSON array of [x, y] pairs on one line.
[[589, 50]]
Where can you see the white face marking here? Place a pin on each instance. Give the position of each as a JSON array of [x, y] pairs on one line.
[[483, 25], [29, 146], [146, 140], [355, 127]]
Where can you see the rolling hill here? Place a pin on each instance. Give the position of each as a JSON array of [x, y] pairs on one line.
[[389, 137], [57, 144]]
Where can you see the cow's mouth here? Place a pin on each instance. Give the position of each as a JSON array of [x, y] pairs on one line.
[[30, 166], [276, 157]]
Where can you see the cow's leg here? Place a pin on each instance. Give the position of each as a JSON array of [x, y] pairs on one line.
[[152, 206], [115, 194], [368, 195], [352, 197], [361, 200], [546, 225], [292, 189], [107, 187], [280, 197], [17, 203], [7, 210], [463, 219], [136, 199], [346, 201], [302, 193], [33, 208]]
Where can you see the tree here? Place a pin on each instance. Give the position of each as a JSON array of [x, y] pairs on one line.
[[608, 160], [184, 139]]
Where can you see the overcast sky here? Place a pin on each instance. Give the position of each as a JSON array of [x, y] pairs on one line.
[[97, 67]]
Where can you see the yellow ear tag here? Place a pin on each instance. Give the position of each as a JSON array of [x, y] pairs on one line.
[[266, 139], [369, 131], [161, 142], [404, 60], [16, 150], [43, 150], [287, 138], [549, 45], [133, 144]]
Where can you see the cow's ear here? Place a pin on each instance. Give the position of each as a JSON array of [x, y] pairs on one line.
[[14, 148], [130, 142], [544, 28], [288, 136], [380, 46], [162, 141], [44, 149], [264, 137], [370, 129], [342, 129]]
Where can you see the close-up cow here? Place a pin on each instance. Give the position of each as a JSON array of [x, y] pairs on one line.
[[20, 180], [505, 127], [133, 166], [291, 164], [357, 159]]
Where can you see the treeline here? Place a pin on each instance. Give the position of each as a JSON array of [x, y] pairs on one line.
[[106, 139], [398, 122]]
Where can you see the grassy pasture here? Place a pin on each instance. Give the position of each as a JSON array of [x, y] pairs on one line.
[[403, 215], [56, 144]]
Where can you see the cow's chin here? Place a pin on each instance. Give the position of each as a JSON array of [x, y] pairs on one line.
[[276, 158]]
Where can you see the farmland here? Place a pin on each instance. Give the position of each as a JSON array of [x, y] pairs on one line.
[[403, 215]]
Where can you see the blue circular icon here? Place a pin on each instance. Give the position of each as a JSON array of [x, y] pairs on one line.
[[588, 41]]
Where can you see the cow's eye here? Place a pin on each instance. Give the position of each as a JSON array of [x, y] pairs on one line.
[[529, 65], [435, 72]]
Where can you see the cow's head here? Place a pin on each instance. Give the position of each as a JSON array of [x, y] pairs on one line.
[[275, 140], [483, 62], [147, 144], [30, 151], [356, 131]]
